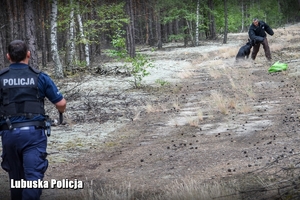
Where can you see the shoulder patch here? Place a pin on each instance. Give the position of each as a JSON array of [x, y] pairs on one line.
[[4, 70], [34, 70]]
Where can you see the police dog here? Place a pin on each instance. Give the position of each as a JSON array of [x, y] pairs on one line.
[[245, 50]]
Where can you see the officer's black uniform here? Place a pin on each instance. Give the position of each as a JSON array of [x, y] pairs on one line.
[[22, 125]]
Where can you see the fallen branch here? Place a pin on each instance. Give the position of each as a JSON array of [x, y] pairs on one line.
[[292, 61]]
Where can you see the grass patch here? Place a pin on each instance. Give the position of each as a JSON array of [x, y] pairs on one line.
[[185, 189], [193, 121], [220, 102]]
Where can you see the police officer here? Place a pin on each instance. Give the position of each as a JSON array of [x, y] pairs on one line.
[[257, 32], [22, 119]]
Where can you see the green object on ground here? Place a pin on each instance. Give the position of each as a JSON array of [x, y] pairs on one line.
[[278, 67]]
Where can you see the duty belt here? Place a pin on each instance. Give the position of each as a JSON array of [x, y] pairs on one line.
[[38, 124]]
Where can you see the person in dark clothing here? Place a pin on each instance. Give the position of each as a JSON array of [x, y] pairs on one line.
[[257, 32], [22, 120]]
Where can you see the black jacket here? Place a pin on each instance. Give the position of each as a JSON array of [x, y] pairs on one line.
[[258, 33], [19, 94]]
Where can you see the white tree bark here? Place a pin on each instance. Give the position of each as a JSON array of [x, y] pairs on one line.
[[189, 24], [54, 48], [197, 24], [84, 40], [71, 42]]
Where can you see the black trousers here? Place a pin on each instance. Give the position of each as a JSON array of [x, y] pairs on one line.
[[24, 157], [266, 47]]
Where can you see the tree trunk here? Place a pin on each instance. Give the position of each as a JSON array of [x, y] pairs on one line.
[[17, 21], [130, 30], [186, 37], [48, 9], [3, 40], [212, 24], [10, 19], [71, 41], [243, 16], [280, 11], [2, 61], [84, 41], [54, 48], [151, 34], [146, 14], [43, 34], [95, 48], [176, 27], [158, 29], [170, 28], [226, 22], [43, 45], [190, 31], [165, 33], [20, 23], [31, 33], [197, 24]]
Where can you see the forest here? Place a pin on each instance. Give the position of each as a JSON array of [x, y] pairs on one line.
[[201, 126], [71, 34]]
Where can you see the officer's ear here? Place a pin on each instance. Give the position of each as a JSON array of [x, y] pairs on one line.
[[8, 57], [28, 54]]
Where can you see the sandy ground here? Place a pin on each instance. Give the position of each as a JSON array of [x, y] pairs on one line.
[[214, 118]]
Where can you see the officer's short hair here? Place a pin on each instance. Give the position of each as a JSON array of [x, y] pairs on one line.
[[17, 50], [255, 19]]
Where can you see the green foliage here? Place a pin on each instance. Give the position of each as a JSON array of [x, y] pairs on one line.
[[112, 17], [162, 82], [108, 18], [136, 66], [184, 11], [234, 18], [268, 11], [177, 37], [119, 44], [80, 64], [290, 10], [63, 17]]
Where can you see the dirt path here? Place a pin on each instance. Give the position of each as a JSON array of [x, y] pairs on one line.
[[215, 119]]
